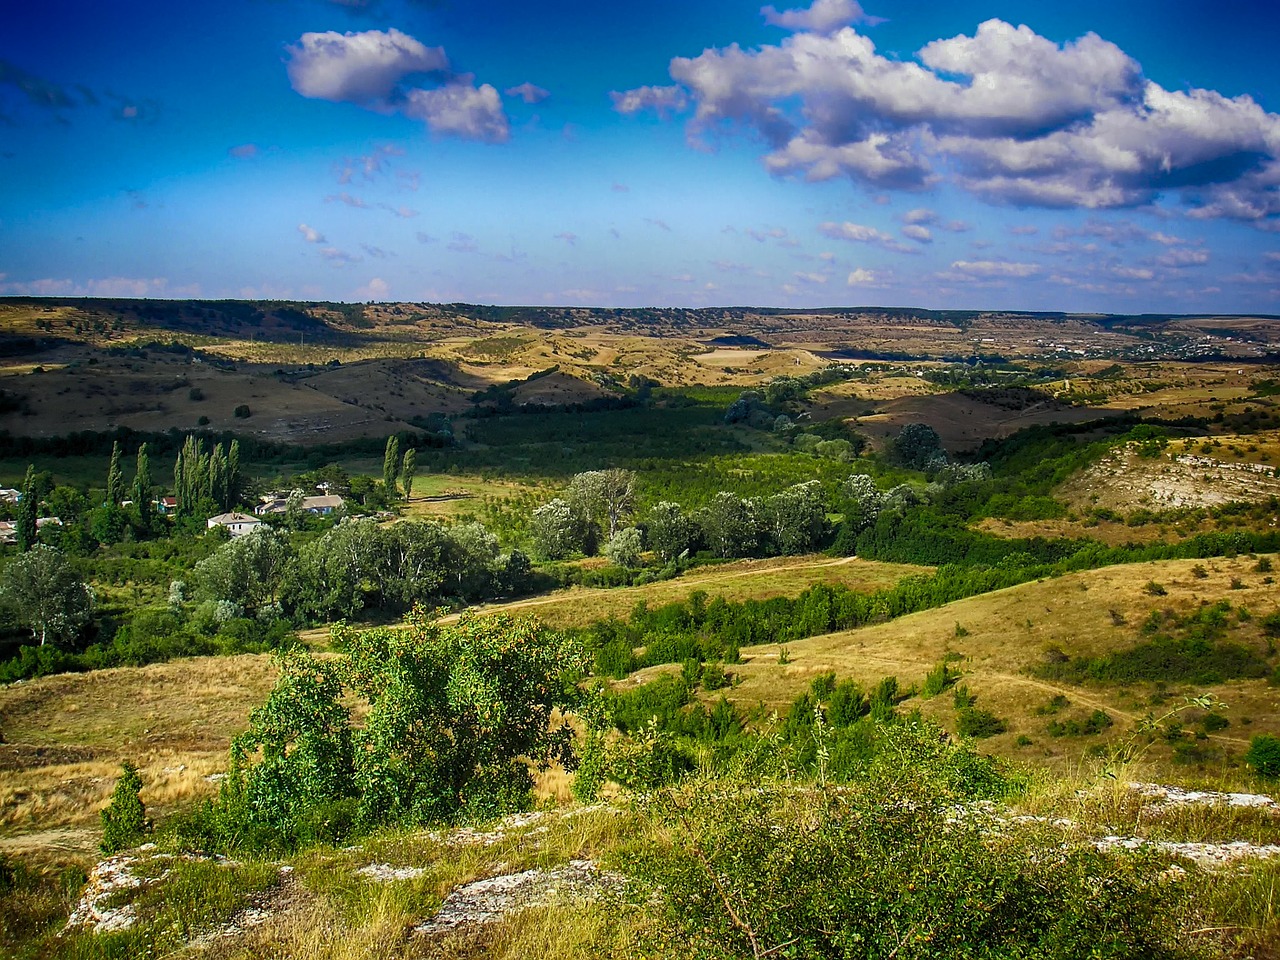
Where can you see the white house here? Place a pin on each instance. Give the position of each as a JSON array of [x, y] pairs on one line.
[[321, 506], [238, 523]]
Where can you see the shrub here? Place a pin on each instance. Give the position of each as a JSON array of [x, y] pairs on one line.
[[242, 411], [124, 821], [974, 722], [751, 866], [1264, 755]]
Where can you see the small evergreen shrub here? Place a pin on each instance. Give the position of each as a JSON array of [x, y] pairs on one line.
[[124, 821]]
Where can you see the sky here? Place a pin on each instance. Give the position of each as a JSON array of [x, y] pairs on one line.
[[1119, 156]]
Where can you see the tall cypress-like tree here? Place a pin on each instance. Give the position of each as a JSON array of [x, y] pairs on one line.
[[409, 470], [115, 478], [28, 510], [391, 464], [233, 474], [142, 488], [218, 476]]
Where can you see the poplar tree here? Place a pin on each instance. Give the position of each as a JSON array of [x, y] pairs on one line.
[[28, 510], [142, 487], [409, 470], [391, 464], [115, 478], [233, 474]]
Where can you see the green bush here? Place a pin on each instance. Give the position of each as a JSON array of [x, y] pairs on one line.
[[975, 722], [124, 821], [751, 866], [1264, 755]]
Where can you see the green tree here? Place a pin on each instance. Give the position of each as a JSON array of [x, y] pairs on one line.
[[115, 477], [450, 718], [409, 470], [796, 517], [671, 532], [391, 465], [603, 498], [624, 548], [246, 570], [142, 488], [1264, 755], [918, 447], [556, 530], [124, 821], [729, 525], [28, 511], [47, 594], [235, 480]]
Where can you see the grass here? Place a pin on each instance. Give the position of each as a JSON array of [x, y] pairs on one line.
[[740, 580], [1010, 632]]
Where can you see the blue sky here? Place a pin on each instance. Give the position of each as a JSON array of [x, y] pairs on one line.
[[1117, 156]]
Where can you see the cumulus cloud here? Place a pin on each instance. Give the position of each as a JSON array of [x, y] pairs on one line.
[[310, 234], [860, 276], [132, 287], [461, 109], [337, 256], [824, 17], [995, 268], [375, 289], [811, 277], [373, 69], [917, 233], [1005, 113], [361, 68], [662, 100], [860, 233], [348, 199], [528, 92]]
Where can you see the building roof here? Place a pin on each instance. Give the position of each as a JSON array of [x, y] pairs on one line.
[[227, 519]]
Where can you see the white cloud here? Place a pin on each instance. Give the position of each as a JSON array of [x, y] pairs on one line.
[[1272, 255], [310, 234], [461, 109], [995, 268], [340, 257], [663, 100], [817, 278], [1183, 257], [376, 289], [1005, 113], [824, 17], [860, 276], [1134, 273], [528, 92], [921, 215], [918, 233], [358, 67], [97, 287], [856, 232], [371, 69], [348, 199]]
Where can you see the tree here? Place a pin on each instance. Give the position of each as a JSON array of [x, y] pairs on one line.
[[603, 497], [124, 821], [47, 594], [28, 511], [115, 477], [235, 482], [450, 718], [863, 502], [142, 488], [1264, 755], [796, 517], [729, 525], [918, 446], [624, 548], [391, 464], [409, 470], [671, 532], [246, 570], [556, 530]]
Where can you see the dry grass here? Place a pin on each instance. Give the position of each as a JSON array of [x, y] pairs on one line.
[[740, 580], [1011, 630], [68, 734]]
